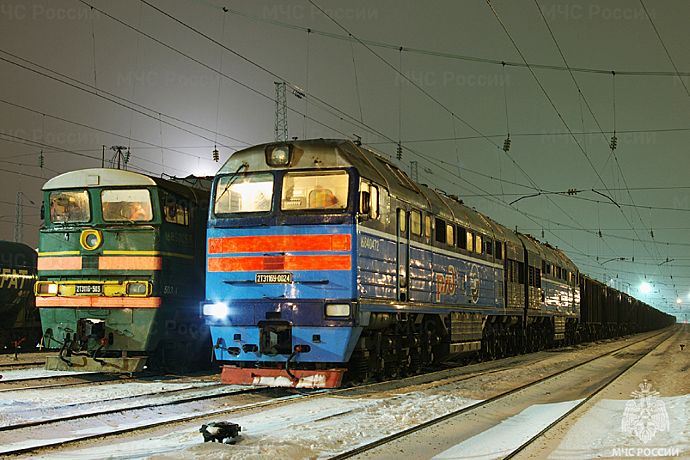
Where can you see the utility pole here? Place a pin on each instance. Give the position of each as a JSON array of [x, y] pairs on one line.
[[281, 128]]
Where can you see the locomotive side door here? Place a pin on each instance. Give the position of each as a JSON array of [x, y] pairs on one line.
[[403, 255]]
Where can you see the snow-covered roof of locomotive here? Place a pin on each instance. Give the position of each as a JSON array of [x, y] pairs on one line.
[[95, 177], [108, 177]]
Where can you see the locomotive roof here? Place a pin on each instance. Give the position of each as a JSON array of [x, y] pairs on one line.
[[97, 177], [547, 252], [108, 177], [337, 153], [333, 153]]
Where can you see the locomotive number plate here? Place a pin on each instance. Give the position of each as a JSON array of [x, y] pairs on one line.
[[88, 289], [273, 278]]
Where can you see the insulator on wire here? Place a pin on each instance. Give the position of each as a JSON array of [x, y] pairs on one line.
[[399, 155], [41, 160], [216, 157], [614, 142], [506, 144]]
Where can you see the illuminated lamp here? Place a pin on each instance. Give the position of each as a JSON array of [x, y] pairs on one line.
[[217, 310], [279, 155]]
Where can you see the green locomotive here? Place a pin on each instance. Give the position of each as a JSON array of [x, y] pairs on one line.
[[121, 271]]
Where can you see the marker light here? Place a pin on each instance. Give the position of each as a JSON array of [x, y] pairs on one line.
[[338, 309], [218, 310], [46, 288], [137, 288]]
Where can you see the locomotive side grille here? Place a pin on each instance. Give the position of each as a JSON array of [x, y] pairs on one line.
[[274, 262], [90, 262]]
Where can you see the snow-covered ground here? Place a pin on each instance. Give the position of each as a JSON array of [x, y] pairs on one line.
[[302, 430], [318, 428], [33, 373], [35, 405]]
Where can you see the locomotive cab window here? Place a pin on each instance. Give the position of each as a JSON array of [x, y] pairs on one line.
[[369, 200], [478, 246], [176, 212], [126, 205], [315, 190], [68, 207], [243, 193]]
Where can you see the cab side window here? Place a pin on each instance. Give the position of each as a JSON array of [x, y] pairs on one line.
[[176, 212]]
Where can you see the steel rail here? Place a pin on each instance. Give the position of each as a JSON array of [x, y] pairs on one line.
[[406, 432], [581, 403]]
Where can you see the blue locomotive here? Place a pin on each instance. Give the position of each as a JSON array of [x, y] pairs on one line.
[[324, 258]]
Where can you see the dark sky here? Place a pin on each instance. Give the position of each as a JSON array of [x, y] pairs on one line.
[[147, 76]]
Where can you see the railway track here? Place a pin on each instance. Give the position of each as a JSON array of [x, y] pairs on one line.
[[45, 381], [267, 397], [78, 423], [18, 365], [448, 429], [184, 416]]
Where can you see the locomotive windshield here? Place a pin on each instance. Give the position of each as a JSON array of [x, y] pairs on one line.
[[126, 205], [314, 190], [67, 207], [244, 193]]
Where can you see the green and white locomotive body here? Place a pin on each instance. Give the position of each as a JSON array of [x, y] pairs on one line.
[[121, 271]]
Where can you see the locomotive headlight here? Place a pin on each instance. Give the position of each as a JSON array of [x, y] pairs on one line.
[[137, 289], [91, 239], [46, 289], [278, 155], [338, 309], [217, 310]]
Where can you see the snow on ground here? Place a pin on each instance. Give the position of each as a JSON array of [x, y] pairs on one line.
[[307, 429], [599, 434], [510, 434], [34, 405], [37, 373]]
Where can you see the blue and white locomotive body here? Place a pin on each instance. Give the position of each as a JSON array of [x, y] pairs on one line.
[[323, 258]]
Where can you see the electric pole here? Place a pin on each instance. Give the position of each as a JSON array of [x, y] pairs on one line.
[[281, 128]]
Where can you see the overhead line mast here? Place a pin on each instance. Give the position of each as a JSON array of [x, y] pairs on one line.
[[281, 129]]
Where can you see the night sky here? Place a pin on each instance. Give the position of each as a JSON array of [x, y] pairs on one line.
[[172, 80]]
